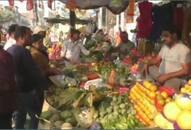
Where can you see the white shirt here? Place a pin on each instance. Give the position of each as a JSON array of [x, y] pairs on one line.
[[9, 43], [173, 58], [72, 51]]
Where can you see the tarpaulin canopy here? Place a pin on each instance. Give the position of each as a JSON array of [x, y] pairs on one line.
[[115, 6]]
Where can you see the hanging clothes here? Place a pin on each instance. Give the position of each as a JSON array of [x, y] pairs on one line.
[[131, 8], [50, 4], [178, 17], [162, 18], [144, 22], [41, 4], [131, 11], [187, 26], [29, 4], [11, 3]]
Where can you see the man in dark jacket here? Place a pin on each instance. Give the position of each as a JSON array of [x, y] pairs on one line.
[[28, 78], [7, 89]]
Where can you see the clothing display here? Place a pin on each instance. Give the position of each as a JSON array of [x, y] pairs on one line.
[[178, 17], [131, 11], [131, 8], [187, 25], [144, 22], [162, 18]]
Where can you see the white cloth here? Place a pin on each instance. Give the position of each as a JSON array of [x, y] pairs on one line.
[[96, 82], [173, 58], [72, 50], [9, 43]]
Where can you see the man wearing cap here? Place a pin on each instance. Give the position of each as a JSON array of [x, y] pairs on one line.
[[73, 48], [174, 59]]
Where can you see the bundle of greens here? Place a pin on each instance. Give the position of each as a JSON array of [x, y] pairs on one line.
[[117, 113]]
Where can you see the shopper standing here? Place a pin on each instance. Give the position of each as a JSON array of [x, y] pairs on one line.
[[7, 89], [28, 78]]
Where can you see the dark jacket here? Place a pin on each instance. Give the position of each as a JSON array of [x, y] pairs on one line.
[[28, 75], [7, 83]]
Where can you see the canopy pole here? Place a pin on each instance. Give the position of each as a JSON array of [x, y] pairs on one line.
[[117, 22], [36, 11], [123, 22], [72, 19], [100, 18]]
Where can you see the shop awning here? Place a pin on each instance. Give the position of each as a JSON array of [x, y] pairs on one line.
[[115, 6]]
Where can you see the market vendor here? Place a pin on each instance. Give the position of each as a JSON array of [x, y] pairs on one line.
[[124, 46], [174, 59], [73, 47]]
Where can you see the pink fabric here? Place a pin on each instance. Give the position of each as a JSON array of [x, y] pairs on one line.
[[144, 22]]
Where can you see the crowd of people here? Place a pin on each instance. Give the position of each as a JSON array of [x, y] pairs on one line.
[[23, 77], [24, 68]]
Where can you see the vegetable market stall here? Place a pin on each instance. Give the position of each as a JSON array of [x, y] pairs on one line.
[[111, 95], [141, 106]]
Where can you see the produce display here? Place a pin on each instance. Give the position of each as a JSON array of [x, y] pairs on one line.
[[55, 51], [164, 95], [142, 95], [177, 113], [80, 108], [106, 91], [72, 105], [114, 75], [187, 88], [58, 119], [117, 113]]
